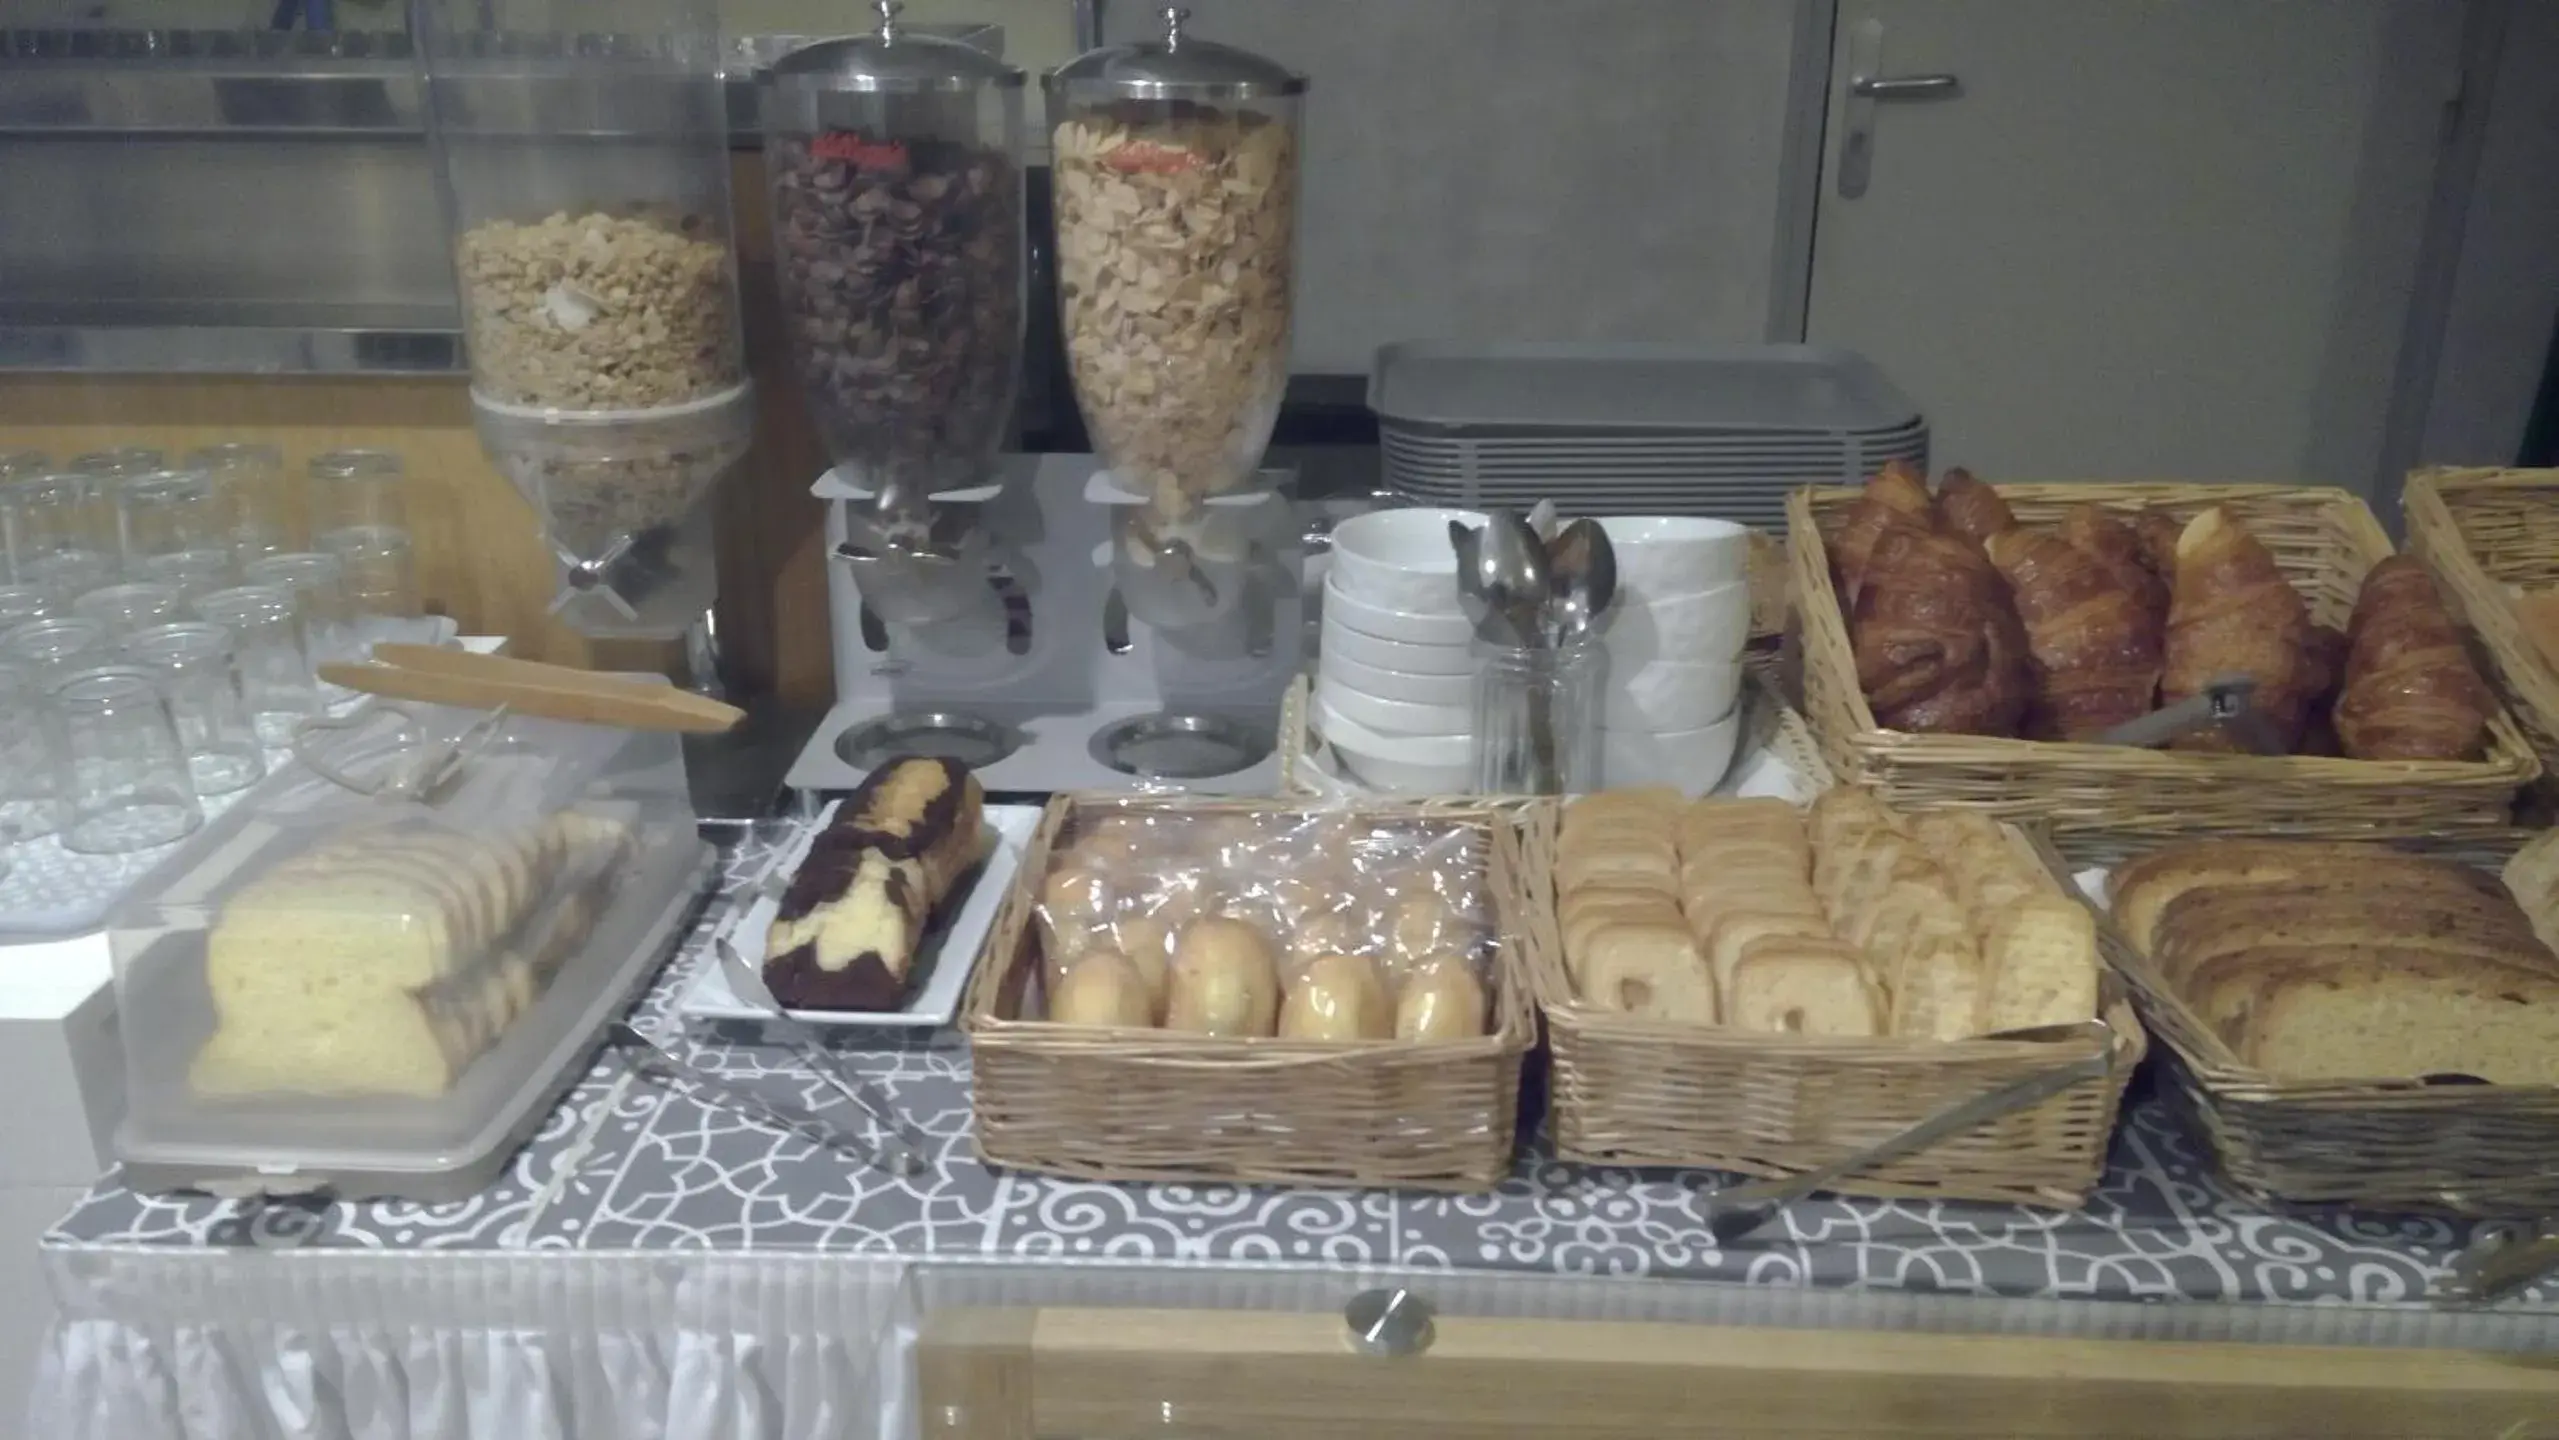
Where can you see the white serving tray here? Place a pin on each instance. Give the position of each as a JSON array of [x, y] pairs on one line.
[[948, 952]]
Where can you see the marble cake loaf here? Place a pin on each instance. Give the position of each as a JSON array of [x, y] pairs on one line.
[[853, 916], [384, 961]]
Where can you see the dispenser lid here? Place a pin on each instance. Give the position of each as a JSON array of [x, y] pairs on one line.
[[1175, 66], [893, 61]]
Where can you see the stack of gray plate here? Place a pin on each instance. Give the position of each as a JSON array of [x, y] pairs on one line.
[[1635, 429]]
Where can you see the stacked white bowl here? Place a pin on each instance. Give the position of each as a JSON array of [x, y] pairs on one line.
[[1395, 672], [1672, 711]]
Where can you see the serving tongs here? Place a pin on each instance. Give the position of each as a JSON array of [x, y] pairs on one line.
[[2225, 703], [436, 676], [802, 1041], [1737, 1212], [2499, 1264], [783, 1115]]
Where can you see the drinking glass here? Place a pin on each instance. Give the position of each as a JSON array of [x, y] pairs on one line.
[[102, 473], [1537, 718], [31, 761], [360, 514], [51, 651], [357, 489], [248, 486], [54, 537], [202, 687], [318, 583], [125, 609], [20, 604], [126, 772], [192, 573], [15, 465], [169, 512], [268, 651]]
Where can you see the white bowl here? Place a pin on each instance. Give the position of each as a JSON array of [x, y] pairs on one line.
[[1394, 717], [1669, 695], [1398, 764], [1660, 556], [1400, 559], [1410, 657], [1693, 760], [1389, 622], [1346, 672], [1706, 628]]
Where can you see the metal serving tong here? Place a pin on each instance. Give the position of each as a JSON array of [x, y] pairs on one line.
[[2225, 703], [2498, 1264], [802, 1041], [782, 1115], [1736, 1212], [554, 692]]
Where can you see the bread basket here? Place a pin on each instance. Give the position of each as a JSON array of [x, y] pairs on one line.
[[1626, 1090], [1156, 1105], [2482, 531], [2393, 1146], [2099, 799]]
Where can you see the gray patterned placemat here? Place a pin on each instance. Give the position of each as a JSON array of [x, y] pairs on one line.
[[625, 1164]]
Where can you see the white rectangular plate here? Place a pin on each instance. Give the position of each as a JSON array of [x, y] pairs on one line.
[[950, 944]]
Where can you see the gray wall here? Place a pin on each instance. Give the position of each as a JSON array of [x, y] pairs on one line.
[[1526, 168]]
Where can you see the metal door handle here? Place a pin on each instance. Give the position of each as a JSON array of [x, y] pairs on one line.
[[1905, 87], [1866, 89]]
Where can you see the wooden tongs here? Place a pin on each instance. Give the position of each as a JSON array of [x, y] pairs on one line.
[[438, 676]]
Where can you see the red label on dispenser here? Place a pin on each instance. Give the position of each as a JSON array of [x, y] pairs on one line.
[[861, 153], [1150, 158]]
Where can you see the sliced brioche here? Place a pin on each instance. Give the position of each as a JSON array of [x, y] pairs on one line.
[[1648, 970]]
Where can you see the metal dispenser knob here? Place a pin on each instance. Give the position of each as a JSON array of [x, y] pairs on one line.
[[1390, 1322]]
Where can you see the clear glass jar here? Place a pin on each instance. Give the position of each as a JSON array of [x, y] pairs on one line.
[[270, 656], [1175, 171], [894, 166], [126, 780], [1537, 718], [360, 515], [197, 678], [584, 150], [59, 538], [318, 584]]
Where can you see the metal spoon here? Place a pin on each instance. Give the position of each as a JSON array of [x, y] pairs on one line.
[[1480, 585], [1582, 571]]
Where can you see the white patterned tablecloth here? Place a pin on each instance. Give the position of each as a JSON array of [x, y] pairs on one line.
[[647, 1255]]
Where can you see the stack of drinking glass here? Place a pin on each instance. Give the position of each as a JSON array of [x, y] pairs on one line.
[[159, 634]]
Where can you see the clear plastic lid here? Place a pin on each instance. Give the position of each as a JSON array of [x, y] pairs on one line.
[[349, 992]]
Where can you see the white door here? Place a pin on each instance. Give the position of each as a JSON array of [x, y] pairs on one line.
[[2134, 239]]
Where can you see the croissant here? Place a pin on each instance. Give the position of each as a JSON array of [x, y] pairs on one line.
[[2115, 545], [2159, 533], [1973, 509], [2095, 650], [2231, 612], [1896, 498], [2410, 691], [1936, 637]]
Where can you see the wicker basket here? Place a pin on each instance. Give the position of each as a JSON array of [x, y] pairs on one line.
[[2482, 531], [2390, 1145], [1156, 1105], [1633, 1091], [2100, 799]]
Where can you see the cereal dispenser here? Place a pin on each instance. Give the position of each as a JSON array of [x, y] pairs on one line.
[[1175, 172], [584, 156], [895, 167]]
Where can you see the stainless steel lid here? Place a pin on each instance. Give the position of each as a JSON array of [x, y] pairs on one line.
[[892, 61], [1177, 67]]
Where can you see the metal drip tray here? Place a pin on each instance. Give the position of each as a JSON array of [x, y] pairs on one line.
[[1166, 746], [972, 740]]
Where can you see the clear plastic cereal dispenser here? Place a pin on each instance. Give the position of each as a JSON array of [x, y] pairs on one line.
[[1176, 193], [583, 149], [895, 165]]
